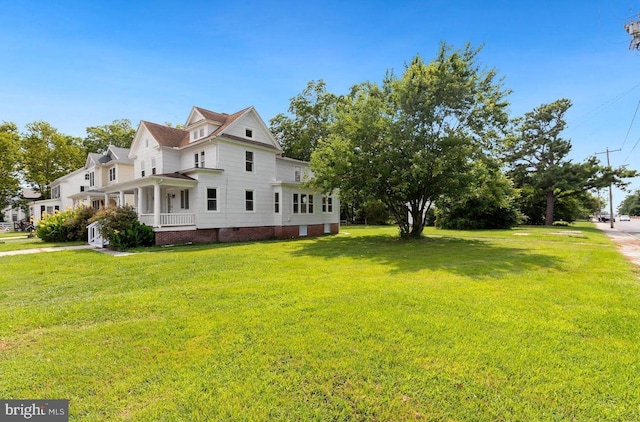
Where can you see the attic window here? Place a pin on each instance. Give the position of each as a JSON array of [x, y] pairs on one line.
[[248, 133]]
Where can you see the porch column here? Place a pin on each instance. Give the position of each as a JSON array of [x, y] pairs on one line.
[[156, 205], [121, 198], [106, 200], [139, 198]]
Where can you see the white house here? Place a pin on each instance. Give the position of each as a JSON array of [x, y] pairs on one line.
[[83, 185], [15, 215], [221, 178]]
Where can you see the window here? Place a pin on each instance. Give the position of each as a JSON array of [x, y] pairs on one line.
[[198, 159], [212, 199], [276, 202], [201, 133], [142, 168], [92, 179], [112, 174], [248, 156], [86, 176], [248, 133], [296, 173], [55, 192], [146, 143], [153, 165], [184, 199], [194, 135], [302, 203], [248, 200], [327, 204]]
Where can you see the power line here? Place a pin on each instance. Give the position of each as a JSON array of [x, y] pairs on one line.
[[629, 130]]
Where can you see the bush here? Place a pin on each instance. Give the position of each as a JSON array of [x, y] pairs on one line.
[[561, 223], [120, 226], [65, 226], [51, 228]]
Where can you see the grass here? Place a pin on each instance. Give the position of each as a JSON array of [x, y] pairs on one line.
[[528, 324]]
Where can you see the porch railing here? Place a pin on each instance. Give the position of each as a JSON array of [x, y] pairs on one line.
[[177, 219]]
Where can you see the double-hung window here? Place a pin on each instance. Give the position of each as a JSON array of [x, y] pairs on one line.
[[276, 202], [112, 174], [248, 161], [184, 199], [212, 199], [327, 204], [248, 200]]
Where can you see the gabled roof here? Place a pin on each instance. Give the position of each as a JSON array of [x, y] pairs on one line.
[[113, 154], [167, 136], [171, 137], [120, 155]]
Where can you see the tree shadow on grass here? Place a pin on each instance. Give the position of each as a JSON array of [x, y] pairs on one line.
[[466, 257]]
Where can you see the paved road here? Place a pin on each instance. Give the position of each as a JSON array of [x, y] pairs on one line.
[[627, 235]]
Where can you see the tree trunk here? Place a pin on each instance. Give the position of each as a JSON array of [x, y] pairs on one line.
[[551, 201]]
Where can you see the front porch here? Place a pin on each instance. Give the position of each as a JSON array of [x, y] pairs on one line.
[[168, 219]]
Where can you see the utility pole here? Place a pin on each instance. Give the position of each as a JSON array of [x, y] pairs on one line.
[[610, 194], [633, 29]]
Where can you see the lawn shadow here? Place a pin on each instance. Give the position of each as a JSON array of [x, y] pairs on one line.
[[473, 258]]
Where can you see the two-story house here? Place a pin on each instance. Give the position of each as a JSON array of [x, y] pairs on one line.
[[221, 178]]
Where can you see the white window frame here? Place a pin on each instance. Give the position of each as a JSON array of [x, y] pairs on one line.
[[215, 189], [297, 173], [248, 132], [184, 199], [276, 202], [249, 162], [251, 201]]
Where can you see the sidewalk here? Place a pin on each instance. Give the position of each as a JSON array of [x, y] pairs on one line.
[[63, 248], [628, 245]]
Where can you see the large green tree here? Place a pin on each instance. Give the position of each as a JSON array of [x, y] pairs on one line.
[[630, 205], [414, 139], [310, 119], [540, 165], [119, 133], [9, 148], [46, 154]]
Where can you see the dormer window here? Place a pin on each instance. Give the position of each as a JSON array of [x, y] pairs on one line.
[[201, 133], [194, 135], [248, 133]]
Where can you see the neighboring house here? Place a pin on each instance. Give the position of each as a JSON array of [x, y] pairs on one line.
[[101, 171], [15, 215], [61, 190], [83, 185], [221, 178]]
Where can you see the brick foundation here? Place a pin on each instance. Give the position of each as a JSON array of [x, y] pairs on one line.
[[240, 234]]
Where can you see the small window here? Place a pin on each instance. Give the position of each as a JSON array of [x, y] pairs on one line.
[[248, 155], [142, 168], [212, 199], [146, 143], [296, 203], [201, 132], [296, 174], [196, 160], [194, 135], [86, 176], [303, 203], [327, 204], [112, 174], [153, 165], [92, 179], [184, 199], [248, 133], [276, 202], [248, 200], [310, 204], [202, 159]]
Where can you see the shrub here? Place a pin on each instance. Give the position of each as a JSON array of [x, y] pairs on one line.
[[561, 223], [120, 226], [65, 226]]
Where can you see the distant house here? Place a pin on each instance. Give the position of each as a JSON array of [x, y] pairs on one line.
[[221, 178], [16, 214], [83, 185]]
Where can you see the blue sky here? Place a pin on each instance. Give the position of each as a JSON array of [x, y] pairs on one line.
[[76, 64]]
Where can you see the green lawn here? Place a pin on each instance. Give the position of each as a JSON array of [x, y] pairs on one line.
[[526, 324]]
